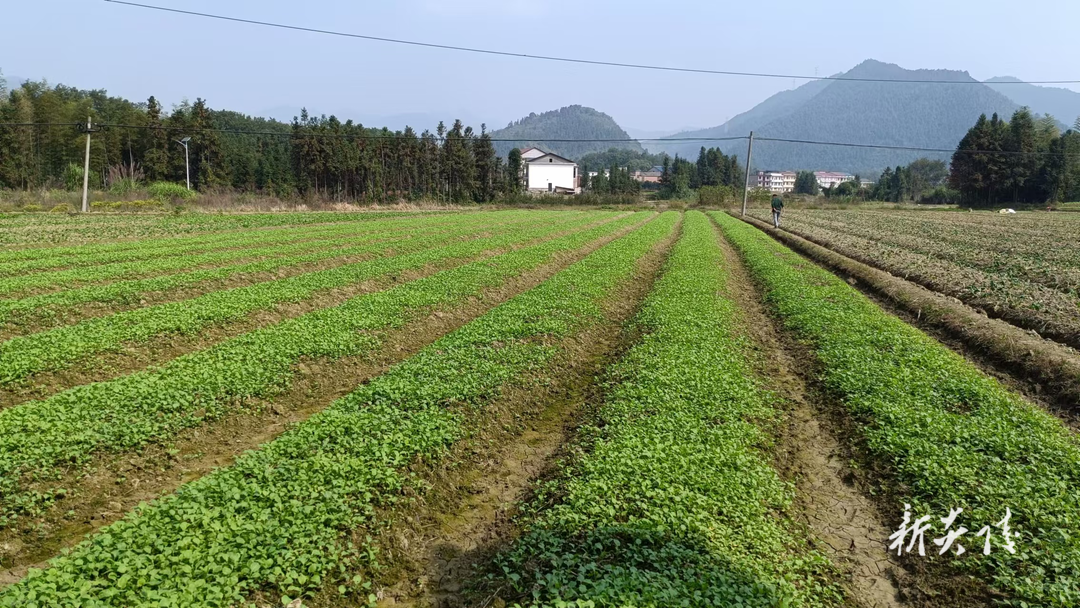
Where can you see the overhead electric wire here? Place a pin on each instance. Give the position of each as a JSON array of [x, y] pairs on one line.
[[351, 136], [544, 140], [638, 66]]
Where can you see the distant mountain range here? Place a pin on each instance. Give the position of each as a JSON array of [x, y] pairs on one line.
[[923, 115], [569, 123], [1062, 104]]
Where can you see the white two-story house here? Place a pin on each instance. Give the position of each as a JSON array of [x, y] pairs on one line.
[[547, 172]]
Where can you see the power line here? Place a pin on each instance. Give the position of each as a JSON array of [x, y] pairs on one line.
[[905, 148], [398, 136], [351, 136], [638, 66]]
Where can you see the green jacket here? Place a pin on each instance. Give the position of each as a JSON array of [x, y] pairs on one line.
[[777, 203]]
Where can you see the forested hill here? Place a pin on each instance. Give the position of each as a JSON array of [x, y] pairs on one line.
[[1062, 104], [571, 122], [925, 115]]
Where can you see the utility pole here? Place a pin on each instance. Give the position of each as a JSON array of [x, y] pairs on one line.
[[746, 185], [89, 128], [187, 164], [86, 171]]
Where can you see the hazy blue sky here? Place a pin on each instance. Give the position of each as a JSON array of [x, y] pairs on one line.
[[136, 52]]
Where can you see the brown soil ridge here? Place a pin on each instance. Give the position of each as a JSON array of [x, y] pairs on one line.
[[160, 349], [1051, 367], [434, 548], [828, 501], [116, 486], [1053, 322]]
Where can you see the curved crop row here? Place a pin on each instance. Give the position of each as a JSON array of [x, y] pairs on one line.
[[151, 249], [1052, 264], [41, 440], [280, 519], [280, 257], [26, 229], [1019, 300], [143, 268], [54, 349], [948, 435], [674, 501]]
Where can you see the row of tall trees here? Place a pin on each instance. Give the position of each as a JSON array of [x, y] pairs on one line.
[[1022, 160], [345, 161], [713, 168], [322, 156], [922, 180], [612, 180]]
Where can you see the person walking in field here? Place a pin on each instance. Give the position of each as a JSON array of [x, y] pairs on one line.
[[777, 209]]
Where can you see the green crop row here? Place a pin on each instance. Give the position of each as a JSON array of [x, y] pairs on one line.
[[281, 518], [142, 268], [54, 349], [673, 501], [36, 229], [280, 257], [67, 257], [40, 440], [948, 435]]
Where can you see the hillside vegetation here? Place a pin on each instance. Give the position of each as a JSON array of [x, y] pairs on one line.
[[571, 122], [918, 115]]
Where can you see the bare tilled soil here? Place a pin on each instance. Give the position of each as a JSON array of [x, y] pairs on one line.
[[845, 522], [120, 483]]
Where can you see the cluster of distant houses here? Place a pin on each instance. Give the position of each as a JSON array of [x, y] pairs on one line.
[[782, 182], [547, 172]]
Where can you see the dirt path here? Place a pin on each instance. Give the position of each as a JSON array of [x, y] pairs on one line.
[[117, 485], [467, 516], [828, 501]]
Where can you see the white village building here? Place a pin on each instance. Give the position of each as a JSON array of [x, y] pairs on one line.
[[546, 172], [830, 179]]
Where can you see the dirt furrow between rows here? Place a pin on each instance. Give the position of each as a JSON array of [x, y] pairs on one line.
[[434, 547], [844, 520], [1045, 370], [119, 484]]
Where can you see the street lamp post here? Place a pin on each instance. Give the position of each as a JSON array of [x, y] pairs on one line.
[[187, 164]]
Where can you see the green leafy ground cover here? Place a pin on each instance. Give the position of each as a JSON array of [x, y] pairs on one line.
[[141, 268], [54, 349], [264, 259], [672, 500], [32, 308], [948, 435], [281, 519], [150, 249], [41, 228], [41, 440]]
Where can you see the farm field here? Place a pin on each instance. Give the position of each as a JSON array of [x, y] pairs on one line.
[[520, 407], [1022, 268]]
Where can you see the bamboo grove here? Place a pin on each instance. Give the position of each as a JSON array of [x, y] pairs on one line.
[[40, 147]]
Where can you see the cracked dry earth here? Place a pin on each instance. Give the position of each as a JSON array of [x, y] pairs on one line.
[[828, 501]]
